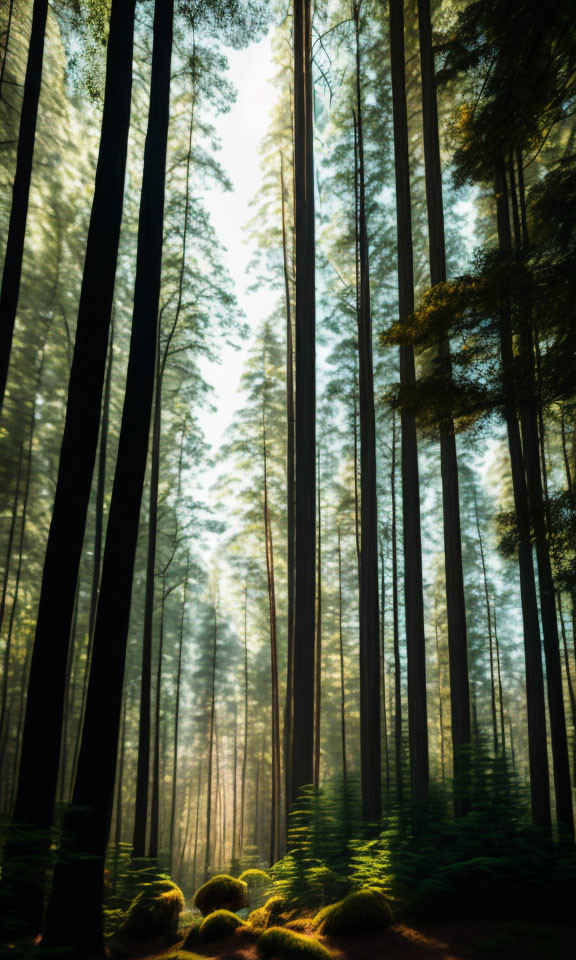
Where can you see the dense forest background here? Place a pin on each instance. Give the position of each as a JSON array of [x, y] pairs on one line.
[[369, 587]]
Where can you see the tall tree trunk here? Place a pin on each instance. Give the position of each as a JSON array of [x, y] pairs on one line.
[[500, 690], [370, 732], [290, 505], [154, 840], [43, 722], [440, 703], [12, 271], [318, 647], [384, 732], [177, 724], [75, 912], [342, 684], [455, 602], [531, 450], [235, 789], [398, 745], [537, 747], [196, 829], [414, 604], [6, 658], [207, 850], [489, 625], [245, 750], [275, 784], [570, 684], [305, 434]]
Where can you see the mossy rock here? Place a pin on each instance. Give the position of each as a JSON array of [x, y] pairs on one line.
[[155, 912], [221, 893], [220, 924], [277, 908], [365, 911], [285, 944], [255, 878]]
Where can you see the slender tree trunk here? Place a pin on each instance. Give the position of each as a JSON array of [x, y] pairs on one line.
[[537, 747], [384, 733], [154, 841], [342, 684], [290, 504], [177, 724], [43, 722], [6, 46], [531, 451], [570, 684], [235, 789], [370, 731], [6, 658], [398, 745], [75, 913], [489, 624], [414, 604], [305, 434], [318, 650], [500, 691], [196, 830], [245, 751], [14, 255], [455, 603], [211, 753], [275, 785]]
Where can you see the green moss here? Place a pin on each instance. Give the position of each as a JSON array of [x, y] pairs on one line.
[[220, 924], [258, 919], [255, 878], [154, 912], [364, 911], [221, 892], [285, 944]]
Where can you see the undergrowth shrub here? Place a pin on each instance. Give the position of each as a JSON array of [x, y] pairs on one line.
[[285, 944], [221, 892], [155, 912], [364, 911], [220, 924]]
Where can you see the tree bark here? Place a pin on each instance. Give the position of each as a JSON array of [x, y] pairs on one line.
[[342, 685], [414, 604], [318, 646], [275, 700], [305, 434], [75, 909], [207, 849], [12, 271], [398, 746]]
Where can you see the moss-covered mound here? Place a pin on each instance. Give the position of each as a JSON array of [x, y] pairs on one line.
[[255, 878], [285, 944], [220, 924], [221, 893], [154, 912], [365, 911]]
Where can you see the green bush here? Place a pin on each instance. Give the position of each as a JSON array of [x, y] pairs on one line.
[[285, 944], [220, 924], [154, 912], [221, 893], [255, 878], [364, 911]]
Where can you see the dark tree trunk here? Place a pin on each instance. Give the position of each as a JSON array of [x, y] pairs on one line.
[[500, 690], [6, 658], [455, 603], [570, 684], [398, 751], [370, 746], [318, 647], [342, 684], [177, 725], [245, 750], [207, 849], [414, 605], [305, 434], [43, 722], [290, 507], [384, 732], [75, 909], [154, 840], [537, 747], [440, 705], [14, 255], [275, 700]]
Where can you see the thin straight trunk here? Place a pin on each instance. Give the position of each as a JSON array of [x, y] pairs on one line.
[[318, 650], [211, 752], [245, 752], [6, 658], [414, 604], [6, 46], [305, 434], [342, 684], [370, 730], [290, 507], [500, 690], [43, 722], [384, 732], [398, 751], [177, 724], [275, 701], [455, 602], [531, 450], [489, 624], [98, 532], [570, 684], [119, 805], [68, 700], [356, 478], [440, 704], [14, 256], [196, 829], [235, 787], [537, 746], [75, 909], [154, 841]]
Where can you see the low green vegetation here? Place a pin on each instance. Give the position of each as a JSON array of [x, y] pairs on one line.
[[154, 912], [364, 911], [220, 924], [221, 892], [285, 944], [255, 878]]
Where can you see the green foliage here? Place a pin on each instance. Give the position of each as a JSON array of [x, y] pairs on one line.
[[255, 878], [289, 945], [364, 911], [154, 912], [221, 892], [220, 924]]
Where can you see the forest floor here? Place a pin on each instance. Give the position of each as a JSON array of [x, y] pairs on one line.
[[456, 940]]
